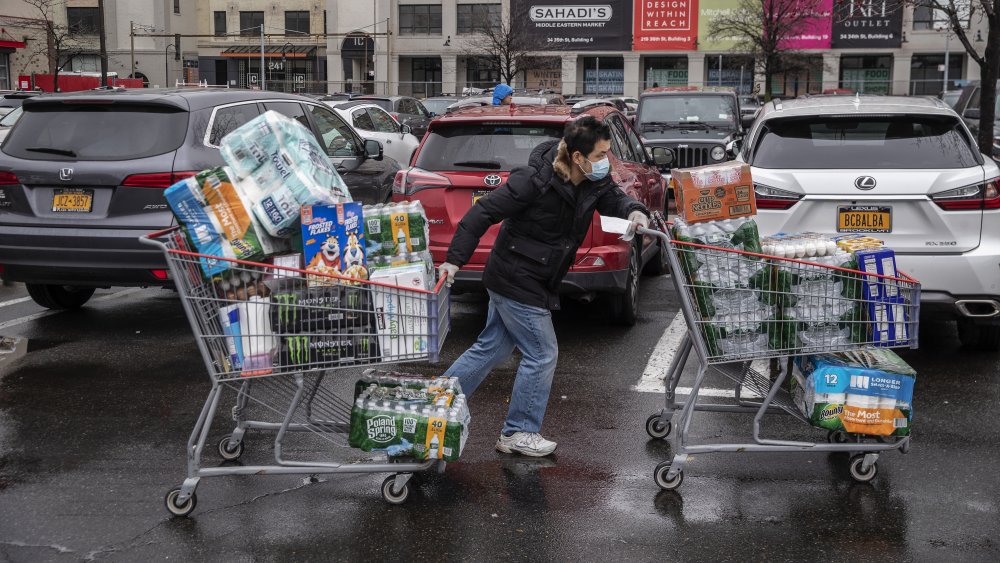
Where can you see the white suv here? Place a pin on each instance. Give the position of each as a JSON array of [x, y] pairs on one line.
[[906, 170]]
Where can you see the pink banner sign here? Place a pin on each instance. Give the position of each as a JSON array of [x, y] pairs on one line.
[[815, 33]]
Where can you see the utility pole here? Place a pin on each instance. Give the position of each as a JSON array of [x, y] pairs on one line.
[[947, 39], [131, 36], [104, 45], [263, 84]]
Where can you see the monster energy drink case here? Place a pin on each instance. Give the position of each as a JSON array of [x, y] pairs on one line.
[[329, 308], [320, 348]]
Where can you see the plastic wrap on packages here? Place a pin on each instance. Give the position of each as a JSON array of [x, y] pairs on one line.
[[724, 269]]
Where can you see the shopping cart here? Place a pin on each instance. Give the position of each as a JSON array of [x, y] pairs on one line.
[[295, 328], [776, 309]]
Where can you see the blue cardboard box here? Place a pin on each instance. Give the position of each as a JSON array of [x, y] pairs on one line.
[[333, 240]]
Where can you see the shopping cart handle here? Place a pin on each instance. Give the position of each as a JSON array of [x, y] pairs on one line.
[[652, 232]]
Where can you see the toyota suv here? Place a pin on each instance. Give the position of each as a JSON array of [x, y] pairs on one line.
[[697, 125], [82, 177], [468, 153], [910, 170]]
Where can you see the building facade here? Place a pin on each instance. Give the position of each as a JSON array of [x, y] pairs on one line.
[[426, 47]]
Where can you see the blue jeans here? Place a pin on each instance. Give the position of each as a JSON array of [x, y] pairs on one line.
[[509, 324]]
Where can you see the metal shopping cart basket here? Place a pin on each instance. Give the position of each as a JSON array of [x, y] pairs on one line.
[[295, 328], [748, 315]]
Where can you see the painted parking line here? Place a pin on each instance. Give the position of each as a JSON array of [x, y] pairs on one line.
[[48, 313], [663, 355], [14, 301]]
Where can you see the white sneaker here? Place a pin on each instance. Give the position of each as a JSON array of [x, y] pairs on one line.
[[527, 443]]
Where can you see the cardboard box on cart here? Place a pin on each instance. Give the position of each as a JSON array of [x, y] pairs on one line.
[[714, 192]]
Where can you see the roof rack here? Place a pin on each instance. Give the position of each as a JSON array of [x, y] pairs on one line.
[[202, 84], [584, 105]]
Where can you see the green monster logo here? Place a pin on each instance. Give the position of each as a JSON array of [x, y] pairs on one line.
[[298, 349], [287, 307]]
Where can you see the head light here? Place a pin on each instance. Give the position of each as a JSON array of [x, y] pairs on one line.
[[718, 153]]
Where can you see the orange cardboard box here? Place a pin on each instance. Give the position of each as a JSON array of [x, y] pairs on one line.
[[714, 192]]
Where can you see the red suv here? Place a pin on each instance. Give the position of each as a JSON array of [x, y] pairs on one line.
[[466, 154]]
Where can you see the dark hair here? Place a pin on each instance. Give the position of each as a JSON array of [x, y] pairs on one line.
[[582, 134]]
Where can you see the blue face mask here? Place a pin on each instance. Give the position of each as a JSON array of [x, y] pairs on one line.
[[598, 169]]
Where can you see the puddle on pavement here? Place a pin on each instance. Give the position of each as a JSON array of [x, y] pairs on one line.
[[15, 347]]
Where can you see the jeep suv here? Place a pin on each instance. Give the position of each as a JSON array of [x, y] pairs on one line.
[[908, 164], [695, 124], [82, 178], [468, 153]]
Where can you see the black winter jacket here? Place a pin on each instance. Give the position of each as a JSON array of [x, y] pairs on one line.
[[545, 221]]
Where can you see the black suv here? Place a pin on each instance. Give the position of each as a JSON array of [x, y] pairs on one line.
[[696, 124], [82, 178], [968, 107]]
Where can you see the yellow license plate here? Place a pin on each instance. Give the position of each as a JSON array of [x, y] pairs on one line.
[[73, 201], [479, 194], [864, 219]]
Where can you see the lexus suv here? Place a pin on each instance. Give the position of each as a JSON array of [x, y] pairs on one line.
[[697, 125], [82, 178], [470, 152], [909, 169]]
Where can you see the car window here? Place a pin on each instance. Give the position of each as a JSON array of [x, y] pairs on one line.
[[421, 110], [288, 109], [11, 118], [384, 104], [362, 120], [483, 146], [865, 142], [637, 148], [438, 106], [227, 119], [338, 138], [715, 110], [68, 131], [384, 123], [620, 145], [406, 106]]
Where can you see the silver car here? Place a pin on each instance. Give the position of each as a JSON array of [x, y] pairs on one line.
[[906, 170]]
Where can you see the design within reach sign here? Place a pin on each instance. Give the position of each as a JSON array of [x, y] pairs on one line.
[[577, 26], [666, 25]]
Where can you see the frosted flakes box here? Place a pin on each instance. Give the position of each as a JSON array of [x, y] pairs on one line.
[[333, 241]]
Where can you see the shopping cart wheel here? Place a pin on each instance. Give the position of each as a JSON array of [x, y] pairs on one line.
[[393, 496], [656, 428], [862, 476], [660, 476], [230, 450], [180, 510], [837, 437]]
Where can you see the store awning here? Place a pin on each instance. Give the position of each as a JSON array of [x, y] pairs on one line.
[[10, 46], [270, 51]]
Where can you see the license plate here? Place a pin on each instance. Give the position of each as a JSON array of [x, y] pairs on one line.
[[864, 219], [476, 195], [73, 201]]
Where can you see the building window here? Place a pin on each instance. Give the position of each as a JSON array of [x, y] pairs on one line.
[[85, 63], [177, 6], [82, 21], [730, 71], [296, 23], [4, 72], [420, 19], [425, 74], [251, 22], [603, 75], [474, 17], [480, 73], [665, 71], [324, 22], [867, 74], [220, 23], [927, 73], [923, 17]]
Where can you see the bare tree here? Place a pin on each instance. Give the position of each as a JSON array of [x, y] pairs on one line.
[[506, 47], [955, 17], [763, 30], [62, 43]]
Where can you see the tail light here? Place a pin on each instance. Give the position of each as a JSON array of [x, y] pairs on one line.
[[155, 180], [970, 198], [8, 179], [773, 198], [409, 182], [591, 261], [159, 274]]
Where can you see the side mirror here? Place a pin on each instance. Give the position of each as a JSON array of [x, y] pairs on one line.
[[732, 147], [747, 120], [972, 113], [404, 129], [662, 156], [373, 149]]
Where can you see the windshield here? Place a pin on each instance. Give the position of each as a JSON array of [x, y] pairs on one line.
[[713, 110], [97, 132], [484, 146], [11, 118], [437, 107], [872, 142], [384, 104]]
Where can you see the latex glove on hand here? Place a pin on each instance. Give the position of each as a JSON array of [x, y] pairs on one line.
[[448, 271], [638, 219]]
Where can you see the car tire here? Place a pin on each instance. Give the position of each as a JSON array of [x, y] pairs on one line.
[[979, 336], [59, 296], [625, 305]]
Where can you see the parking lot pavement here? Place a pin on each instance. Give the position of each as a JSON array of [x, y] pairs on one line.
[[95, 414]]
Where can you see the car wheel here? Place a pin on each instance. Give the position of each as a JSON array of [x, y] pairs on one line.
[[625, 305], [59, 296], [979, 336]]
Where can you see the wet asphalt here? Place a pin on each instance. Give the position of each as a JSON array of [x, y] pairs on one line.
[[96, 410]]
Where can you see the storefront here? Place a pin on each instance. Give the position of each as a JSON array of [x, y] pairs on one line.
[[927, 73], [7, 48], [287, 68], [731, 71], [866, 74], [420, 77], [803, 77], [664, 71]]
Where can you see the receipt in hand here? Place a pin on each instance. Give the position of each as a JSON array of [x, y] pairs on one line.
[[615, 225]]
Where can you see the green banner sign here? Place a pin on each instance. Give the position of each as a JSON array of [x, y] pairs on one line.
[[708, 11]]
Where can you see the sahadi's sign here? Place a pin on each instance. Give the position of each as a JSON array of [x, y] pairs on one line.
[[582, 25]]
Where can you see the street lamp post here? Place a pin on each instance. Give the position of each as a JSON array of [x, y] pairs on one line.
[[166, 64], [284, 64]]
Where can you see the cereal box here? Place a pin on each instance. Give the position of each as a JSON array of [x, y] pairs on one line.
[[714, 192], [333, 240]]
